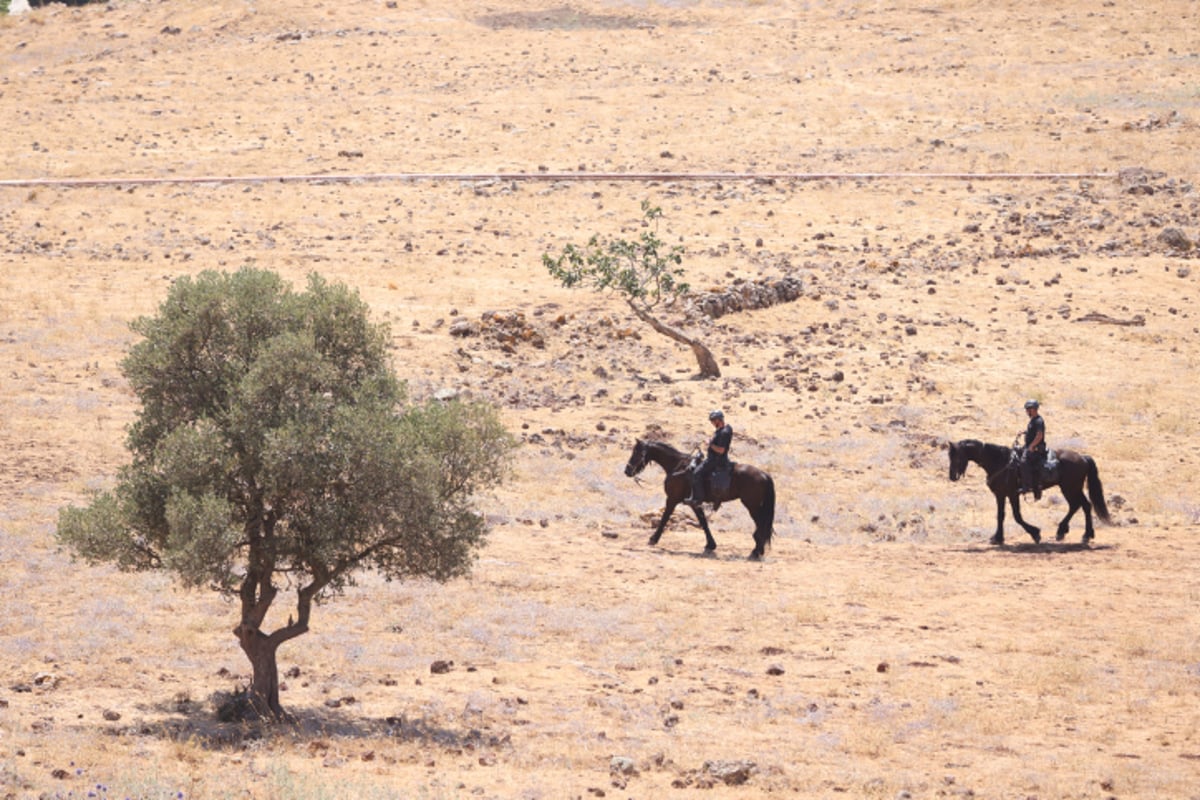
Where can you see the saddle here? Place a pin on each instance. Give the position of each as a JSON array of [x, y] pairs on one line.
[[1050, 468], [718, 482], [1049, 474]]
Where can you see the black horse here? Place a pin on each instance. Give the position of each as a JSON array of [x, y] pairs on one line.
[[1003, 479], [751, 485]]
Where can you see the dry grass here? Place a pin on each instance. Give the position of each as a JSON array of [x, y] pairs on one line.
[[883, 649]]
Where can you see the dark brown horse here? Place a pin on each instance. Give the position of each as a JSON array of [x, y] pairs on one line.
[[1002, 478], [751, 485]]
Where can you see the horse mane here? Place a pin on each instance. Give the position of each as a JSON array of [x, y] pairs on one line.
[[998, 449], [673, 451], [986, 447]]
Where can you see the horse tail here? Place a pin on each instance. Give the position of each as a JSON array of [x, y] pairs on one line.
[[1096, 490], [764, 517]]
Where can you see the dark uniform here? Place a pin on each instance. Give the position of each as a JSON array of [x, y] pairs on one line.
[[1035, 454], [714, 460]]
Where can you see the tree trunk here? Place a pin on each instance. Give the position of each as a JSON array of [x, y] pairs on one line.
[[704, 358], [264, 685]]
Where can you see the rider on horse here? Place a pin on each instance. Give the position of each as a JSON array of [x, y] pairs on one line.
[[1033, 456], [717, 457]]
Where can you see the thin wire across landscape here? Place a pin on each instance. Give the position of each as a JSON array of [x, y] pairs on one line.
[[646, 177]]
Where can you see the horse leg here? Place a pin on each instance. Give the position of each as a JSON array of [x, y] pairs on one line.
[[761, 536], [1077, 500], [662, 523], [998, 536], [710, 544], [1034, 531], [1065, 525], [759, 549], [1089, 532]]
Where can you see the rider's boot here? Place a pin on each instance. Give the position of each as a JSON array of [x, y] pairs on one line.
[[697, 496]]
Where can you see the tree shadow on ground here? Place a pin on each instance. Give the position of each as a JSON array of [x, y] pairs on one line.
[[308, 725]]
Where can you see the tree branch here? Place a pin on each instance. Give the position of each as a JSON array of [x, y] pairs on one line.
[[704, 358]]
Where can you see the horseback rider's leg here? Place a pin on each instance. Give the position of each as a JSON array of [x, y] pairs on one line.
[[1035, 474], [698, 478]]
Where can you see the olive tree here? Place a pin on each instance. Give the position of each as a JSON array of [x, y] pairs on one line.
[[645, 273], [277, 451]]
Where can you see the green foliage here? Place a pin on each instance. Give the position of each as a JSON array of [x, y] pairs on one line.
[[275, 439], [644, 271]]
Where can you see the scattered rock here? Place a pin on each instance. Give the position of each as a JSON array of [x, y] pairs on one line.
[[746, 296], [730, 773], [621, 765], [464, 327], [441, 667], [111, 715], [1136, 321], [45, 681], [1175, 239]]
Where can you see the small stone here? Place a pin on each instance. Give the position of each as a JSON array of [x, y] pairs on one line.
[[441, 667], [731, 773], [621, 765], [111, 715]]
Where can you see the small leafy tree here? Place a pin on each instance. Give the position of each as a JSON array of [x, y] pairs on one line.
[[276, 450], [645, 273]]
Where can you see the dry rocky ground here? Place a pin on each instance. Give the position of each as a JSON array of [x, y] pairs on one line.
[[883, 648]]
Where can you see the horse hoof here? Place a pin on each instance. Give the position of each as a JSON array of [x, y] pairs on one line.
[[755, 555], [652, 541], [997, 539]]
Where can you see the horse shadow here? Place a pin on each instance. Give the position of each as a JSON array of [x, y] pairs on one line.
[[702, 555], [1036, 548]]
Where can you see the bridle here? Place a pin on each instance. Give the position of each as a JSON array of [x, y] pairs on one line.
[[636, 463]]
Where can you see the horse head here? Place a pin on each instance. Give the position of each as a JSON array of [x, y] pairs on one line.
[[958, 460], [637, 459]]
